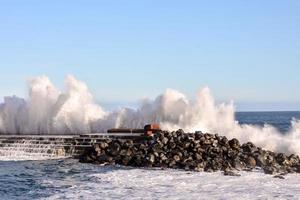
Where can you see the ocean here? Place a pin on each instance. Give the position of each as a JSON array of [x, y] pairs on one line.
[[280, 120], [69, 179]]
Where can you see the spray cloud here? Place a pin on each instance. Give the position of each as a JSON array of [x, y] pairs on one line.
[[73, 111]]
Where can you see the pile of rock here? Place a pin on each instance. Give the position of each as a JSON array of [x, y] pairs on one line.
[[196, 152]]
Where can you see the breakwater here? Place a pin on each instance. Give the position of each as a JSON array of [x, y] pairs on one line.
[[151, 147], [191, 151]]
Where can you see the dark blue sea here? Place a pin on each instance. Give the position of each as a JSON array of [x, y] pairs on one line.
[[280, 120], [68, 179]]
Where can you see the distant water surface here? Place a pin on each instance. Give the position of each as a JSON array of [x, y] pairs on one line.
[[280, 120]]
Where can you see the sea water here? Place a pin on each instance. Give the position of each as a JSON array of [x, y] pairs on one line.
[[69, 179]]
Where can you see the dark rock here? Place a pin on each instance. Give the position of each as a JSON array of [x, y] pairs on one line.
[[294, 160], [279, 177], [198, 156], [223, 141], [238, 164], [281, 158], [231, 173], [269, 159], [234, 144], [123, 152], [163, 157], [176, 158], [128, 144], [249, 148], [126, 160], [198, 135], [172, 145], [297, 168], [186, 145], [102, 158], [180, 132], [251, 162], [269, 170], [207, 142], [193, 152], [260, 159], [172, 163], [232, 154], [114, 148]]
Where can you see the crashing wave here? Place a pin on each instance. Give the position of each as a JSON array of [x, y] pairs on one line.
[[50, 111]]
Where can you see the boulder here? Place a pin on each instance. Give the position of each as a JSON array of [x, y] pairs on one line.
[[234, 144], [231, 173], [250, 162], [269, 169], [279, 177]]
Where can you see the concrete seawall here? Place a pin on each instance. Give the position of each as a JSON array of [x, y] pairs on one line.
[[28, 147], [56, 146]]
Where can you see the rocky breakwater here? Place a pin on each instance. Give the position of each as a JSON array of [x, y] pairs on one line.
[[191, 151]]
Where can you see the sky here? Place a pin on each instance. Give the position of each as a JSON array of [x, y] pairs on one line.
[[246, 51]]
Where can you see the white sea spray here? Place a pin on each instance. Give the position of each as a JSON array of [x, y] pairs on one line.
[[73, 110]]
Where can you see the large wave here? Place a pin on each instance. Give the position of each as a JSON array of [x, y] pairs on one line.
[[74, 111]]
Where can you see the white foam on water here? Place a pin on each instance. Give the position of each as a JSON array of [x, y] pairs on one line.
[[73, 110], [22, 150], [173, 184]]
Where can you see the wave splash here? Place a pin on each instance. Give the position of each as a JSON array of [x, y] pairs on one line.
[[74, 111]]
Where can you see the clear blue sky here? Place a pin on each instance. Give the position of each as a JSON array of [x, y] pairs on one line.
[[248, 51]]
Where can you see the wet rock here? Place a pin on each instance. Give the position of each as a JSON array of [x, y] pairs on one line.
[[269, 159], [163, 157], [103, 145], [198, 156], [251, 162], [198, 135], [180, 132], [151, 158], [97, 148], [223, 141], [279, 177], [193, 152], [234, 144], [238, 164], [165, 140], [269, 169], [126, 160], [297, 168], [176, 158], [231, 173], [207, 142], [172, 163], [114, 148], [249, 148], [260, 158], [103, 158], [232, 154], [172, 145], [294, 159], [128, 144], [280, 157]]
